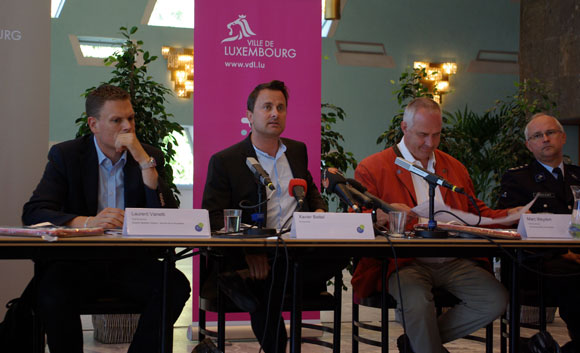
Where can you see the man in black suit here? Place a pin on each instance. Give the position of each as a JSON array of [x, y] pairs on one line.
[[548, 177], [87, 183], [230, 184]]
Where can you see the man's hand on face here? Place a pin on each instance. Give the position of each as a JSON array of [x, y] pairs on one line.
[[128, 141], [108, 218]]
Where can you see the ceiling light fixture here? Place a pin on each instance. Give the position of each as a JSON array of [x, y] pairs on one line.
[[180, 64], [437, 79]]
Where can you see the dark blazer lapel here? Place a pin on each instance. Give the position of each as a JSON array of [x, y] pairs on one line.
[[294, 160], [132, 182], [569, 179], [248, 149], [543, 178], [90, 176]]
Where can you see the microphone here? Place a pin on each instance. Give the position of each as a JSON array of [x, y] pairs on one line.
[[428, 176], [385, 207], [297, 188], [259, 173], [361, 198], [334, 182]]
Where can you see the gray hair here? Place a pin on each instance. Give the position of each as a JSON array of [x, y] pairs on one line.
[[537, 115], [416, 104]]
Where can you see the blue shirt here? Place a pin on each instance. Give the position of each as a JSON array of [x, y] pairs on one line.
[[280, 204], [111, 181], [551, 169]]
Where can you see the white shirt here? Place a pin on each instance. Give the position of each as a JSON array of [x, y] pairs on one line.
[[422, 191], [280, 204], [420, 185]]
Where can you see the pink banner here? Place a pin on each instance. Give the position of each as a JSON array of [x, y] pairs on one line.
[[238, 45]]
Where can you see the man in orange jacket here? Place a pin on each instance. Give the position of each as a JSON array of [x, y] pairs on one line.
[[482, 297]]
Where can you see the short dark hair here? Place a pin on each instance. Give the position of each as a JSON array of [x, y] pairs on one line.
[[274, 85], [97, 98]]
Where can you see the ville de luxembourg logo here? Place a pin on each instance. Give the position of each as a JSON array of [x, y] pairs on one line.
[[242, 27]]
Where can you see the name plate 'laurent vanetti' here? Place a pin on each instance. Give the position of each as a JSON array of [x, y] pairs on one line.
[[329, 225], [166, 222]]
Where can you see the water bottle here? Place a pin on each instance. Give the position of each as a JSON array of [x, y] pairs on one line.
[[575, 221]]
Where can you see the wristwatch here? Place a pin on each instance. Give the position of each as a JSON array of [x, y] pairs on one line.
[[151, 163]]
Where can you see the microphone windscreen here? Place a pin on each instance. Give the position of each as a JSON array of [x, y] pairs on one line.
[[296, 182], [331, 177]]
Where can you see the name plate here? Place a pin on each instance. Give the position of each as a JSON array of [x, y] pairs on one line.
[[166, 222], [544, 226], [328, 225]]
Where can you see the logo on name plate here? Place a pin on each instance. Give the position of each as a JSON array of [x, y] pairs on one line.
[[242, 27], [199, 227], [360, 228]]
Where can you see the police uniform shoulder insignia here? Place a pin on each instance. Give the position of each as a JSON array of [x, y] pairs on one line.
[[518, 168]]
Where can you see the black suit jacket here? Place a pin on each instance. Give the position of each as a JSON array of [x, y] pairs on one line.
[[229, 180], [520, 185], [70, 184]]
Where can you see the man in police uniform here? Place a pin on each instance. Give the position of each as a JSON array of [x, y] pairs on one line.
[[548, 177]]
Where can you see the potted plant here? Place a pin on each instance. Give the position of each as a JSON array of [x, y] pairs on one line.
[[332, 152], [148, 98]]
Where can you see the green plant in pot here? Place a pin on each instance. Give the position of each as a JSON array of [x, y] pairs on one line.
[[148, 98], [332, 151]]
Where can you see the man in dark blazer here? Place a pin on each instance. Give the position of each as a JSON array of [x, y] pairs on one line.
[[87, 183], [548, 177], [230, 184]]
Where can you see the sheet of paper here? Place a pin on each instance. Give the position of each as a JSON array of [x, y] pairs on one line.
[[471, 219]]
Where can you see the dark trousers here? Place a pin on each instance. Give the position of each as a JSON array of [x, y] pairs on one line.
[[63, 287], [565, 290], [267, 323]]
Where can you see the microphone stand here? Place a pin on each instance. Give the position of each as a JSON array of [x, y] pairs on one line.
[[431, 231], [259, 218]]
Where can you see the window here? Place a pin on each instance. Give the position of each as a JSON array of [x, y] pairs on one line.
[[56, 7], [172, 13], [183, 164], [98, 47], [325, 23]]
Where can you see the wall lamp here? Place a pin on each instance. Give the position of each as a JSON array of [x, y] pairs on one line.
[[437, 80], [331, 9], [180, 64]]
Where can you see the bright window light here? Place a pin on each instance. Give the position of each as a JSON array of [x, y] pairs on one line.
[[98, 47], [183, 164], [56, 7], [173, 13], [325, 23]]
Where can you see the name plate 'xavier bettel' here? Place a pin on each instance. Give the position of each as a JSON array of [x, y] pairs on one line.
[[329, 225], [166, 222]]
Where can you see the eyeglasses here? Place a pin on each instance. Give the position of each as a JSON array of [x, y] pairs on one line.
[[538, 135]]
